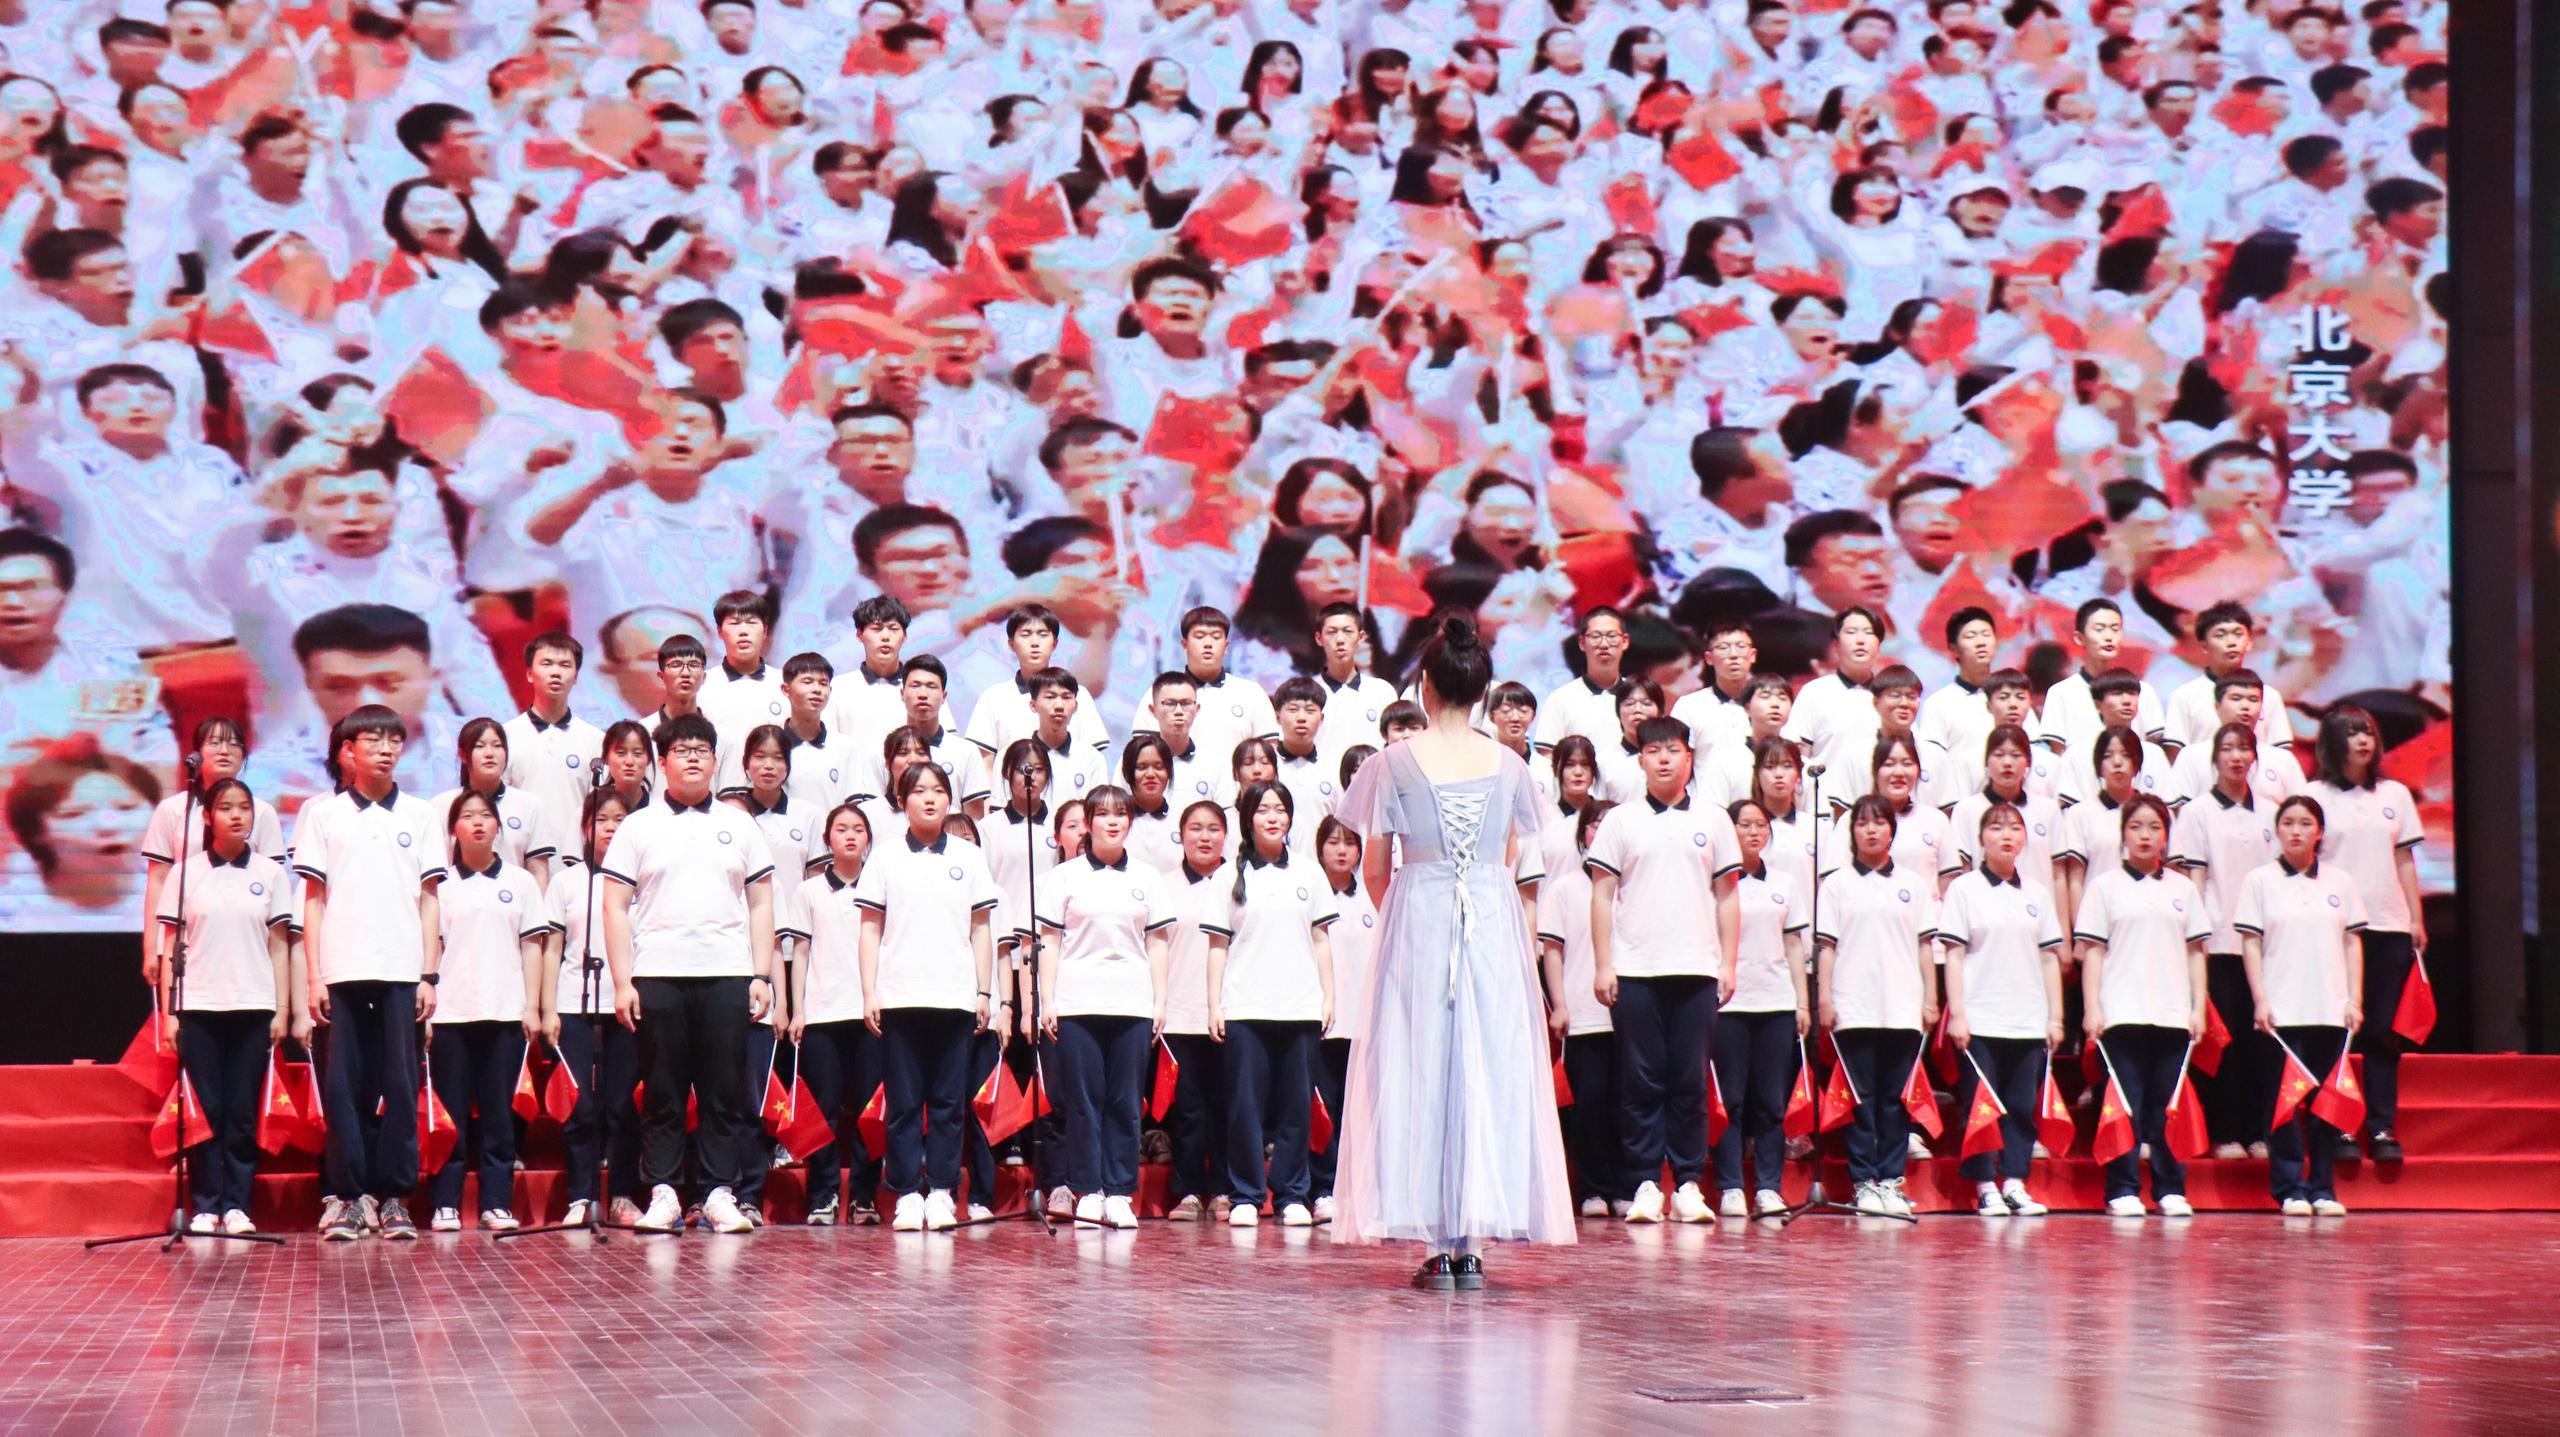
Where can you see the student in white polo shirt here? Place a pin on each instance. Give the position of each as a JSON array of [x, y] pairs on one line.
[[238, 991], [1664, 923], [2070, 710], [2002, 935], [1718, 715], [525, 836], [549, 749], [2273, 778], [1313, 776], [1588, 705], [2011, 699], [2141, 931], [1196, 1183], [2227, 631], [1777, 785], [1510, 713], [2116, 693], [1232, 708], [1577, 1021], [1075, 767], [2302, 939], [221, 751], [1876, 993], [870, 697], [1896, 691], [630, 764], [1010, 711], [1622, 778], [1575, 767], [1102, 987], [921, 708], [2223, 835], [689, 930], [2093, 831], [825, 770], [602, 1130], [1957, 718], [1271, 997], [2372, 834], [1355, 956], [790, 824], [1354, 700], [1146, 770], [490, 920], [928, 987], [839, 1055], [1723, 773], [1757, 1029], [370, 857], [2008, 758], [1174, 700], [742, 690], [1834, 717], [1923, 849]]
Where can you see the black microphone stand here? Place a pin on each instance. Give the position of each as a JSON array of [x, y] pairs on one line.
[[176, 1234], [591, 997], [1815, 1204]]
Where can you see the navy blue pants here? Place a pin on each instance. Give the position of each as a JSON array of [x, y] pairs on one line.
[[1663, 1027], [2299, 1153], [369, 1081], [1879, 1062], [1755, 1064], [2016, 1067], [1333, 1074], [225, 1053], [1591, 1124], [476, 1066], [604, 1128], [842, 1063], [2234, 1094], [2388, 957], [755, 1153], [924, 1060], [1270, 1070], [1199, 1163], [693, 1043], [2146, 1064], [1101, 1071]]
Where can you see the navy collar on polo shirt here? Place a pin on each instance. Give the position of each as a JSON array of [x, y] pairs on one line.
[[2019, 802], [1595, 690], [669, 799], [1198, 682], [1629, 746], [1759, 870], [1122, 866], [1060, 748], [1723, 697], [2108, 799], [2137, 875], [1567, 809], [1190, 747], [736, 677], [1038, 815], [1968, 687], [1196, 877], [757, 809], [2245, 800], [932, 739], [2013, 880], [238, 860], [463, 870], [1022, 681], [1847, 682], [1253, 858], [1659, 806], [1339, 687], [388, 800], [2292, 872], [894, 676], [543, 725], [1865, 872], [791, 740], [940, 842], [834, 884]]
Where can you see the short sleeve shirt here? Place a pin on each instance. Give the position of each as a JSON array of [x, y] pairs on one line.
[[1271, 964], [1198, 902], [525, 831], [2220, 843], [2005, 928], [834, 950], [1875, 920], [161, 839], [2365, 831], [688, 869], [377, 859], [2146, 923], [231, 906], [575, 903], [2302, 919], [483, 916], [1103, 914], [927, 895], [1667, 860], [1771, 910]]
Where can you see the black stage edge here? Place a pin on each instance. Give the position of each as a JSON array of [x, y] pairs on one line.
[[65, 996]]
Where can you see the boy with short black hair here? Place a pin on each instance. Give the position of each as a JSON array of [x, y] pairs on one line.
[[2227, 632], [549, 749], [923, 684], [1957, 718], [1305, 770], [1007, 712], [2116, 696], [682, 665], [1718, 715], [1354, 698], [2070, 716], [1403, 719], [825, 768], [1232, 709], [1075, 769], [742, 690], [1724, 775], [1896, 692], [1588, 705], [2008, 695], [1173, 699], [869, 698], [1511, 712], [2238, 697], [1834, 718]]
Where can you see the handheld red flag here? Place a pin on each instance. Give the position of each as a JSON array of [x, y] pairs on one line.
[[777, 1100], [1717, 1118], [1211, 435], [2054, 1128], [1699, 159], [1168, 1077], [1799, 281], [1839, 1098], [2143, 216], [1001, 1105], [2414, 1017], [1319, 1123], [527, 1101], [1947, 335], [1706, 321], [1914, 114], [437, 407], [1242, 223], [233, 330], [278, 1120], [560, 1090], [1939, 1057], [808, 1129], [1799, 1121], [436, 1130], [2186, 1127], [1982, 1119], [1630, 206], [2341, 1100], [1022, 217], [2242, 113], [872, 1125], [181, 1109], [2217, 1037], [2115, 1123], [692, 1105], [311, 1135], [1920, 1101], [1563, 1087], [2296, 1084]]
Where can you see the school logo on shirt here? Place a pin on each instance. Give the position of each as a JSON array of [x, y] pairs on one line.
[[1699, 838], [1904, 895], [956, 874], [1325, 787], [2389, 812], [774, 708], [506, 896], [1236, 709], [2147, 781], [1302, 895], [724, 836], [2177, 905], [1200, 786], [259, 890], [2031, 911], [1368, 920], [1373, 715], [2039, 830], [2039, 770], [1928, 840], [406, 840], [797, 836], [2333, 898], [1080, 778], [834, 776], [1778, 898], [1139, 894], [569, 761], [514, 821]]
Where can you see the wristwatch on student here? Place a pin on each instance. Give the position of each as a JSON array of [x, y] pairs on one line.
[[431, 979]]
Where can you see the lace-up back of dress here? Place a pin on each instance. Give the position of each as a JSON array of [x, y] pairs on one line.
[[1462, 812]]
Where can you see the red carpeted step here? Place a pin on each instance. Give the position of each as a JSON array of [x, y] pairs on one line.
[[2510, 1129], [76, 1144], [68, 1090], [2481, 1079]]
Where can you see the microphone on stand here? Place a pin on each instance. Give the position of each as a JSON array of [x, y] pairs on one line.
[[595, 773], [1813, 770], [194, 762]]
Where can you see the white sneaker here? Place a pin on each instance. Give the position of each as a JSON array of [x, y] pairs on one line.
[[1647, 1206], [666, 1210], [1688, 1204], [1595, 1206], [2227, 1152], [1770, 1202], [2126, 1206], [2041, 1151], [498, 1219], [623, 1212], [2258, 1150], [1988, 1202], [2297, 1207], [980, 1212], [445, 1219], [1870, 1200], [204, 1222], [1089, 1208], [369, 1212], [2014, 1193], [1620, 1207], [1187, 1210], [332, 1211], [941, 1213], [1324, 1208], [2328, 1207], [1244, 1214], [1296, 1215], [1896, 1201], [1062, 1201], [720, 1213], [1733, 1204], [1915, 1149], [1120, 1212], [909, 1216], [2176, 1205], [236, 1223]]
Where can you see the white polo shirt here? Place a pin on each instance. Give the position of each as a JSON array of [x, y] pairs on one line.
[[824, 772], [524, 825], [1876, 920], [550, 761], [2070, 715], [958, 758], [834, 950], [2302, 919], [866, 707], [2365, 831], [1954, 719], [792, 840], [1960, 773], [1577, 707], [2193, 717], [231, 908], [1622, 771], [1772, 908], [1271, 954], [738, 704], [1790, 849], [2044, 833], [161, 838], [1231, 710], [927, 896], [1716, 723], [576, 908], [688, 869], [2093, 832], [1103, 914], [1836, 721], [1007, 857], [1352, 712], [484, 916], [1198, 900], [1923, 845], [1856, 778], [2146, 924], [1355, 964], [2272, 779], [376, 858], [1004, 714], [1667, 860], [2076, 776], [1199, 774], [1564, 918], [2220, 843], [1315, 786], [1075, 770], [2005, 928]]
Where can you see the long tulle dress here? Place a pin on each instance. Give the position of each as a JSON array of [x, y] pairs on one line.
[[1449, 1126]]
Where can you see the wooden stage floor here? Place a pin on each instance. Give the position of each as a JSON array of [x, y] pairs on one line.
[[2081, 1325]]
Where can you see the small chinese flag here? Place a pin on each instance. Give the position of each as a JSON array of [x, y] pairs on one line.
[[1563, 1086], [1940, 1054], [2210, 1047], [2414, 1017], [1168, 1076], [2053, 1116], [2242, 113], [777, 1103], [1799, 281], [1001, 1105], [2341, 1100], [1982, 1122], [437, 407], [872, 1124], [436, 1130], [234, 330], [2186, 1129], [278, 1120], [1023, 216], [692, 1105], [1717, 1118], [2115, 1124], [2145, 215], [1630, 206], [1947, 335], [181, 1109], [2296, 1084], [1244, 222], [528, 1098], [807, 1129], [1211, 435], [1839, 1099], [1799, 1121], [1914, 114], [1920, 1102], [560, 1090], [1319, 1123], [312, 1135], [1701, 160], [1706, 321]]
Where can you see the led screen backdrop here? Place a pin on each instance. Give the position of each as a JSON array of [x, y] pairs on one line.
[[355, 343]]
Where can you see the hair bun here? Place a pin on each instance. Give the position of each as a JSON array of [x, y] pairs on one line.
[[1459, 632]]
